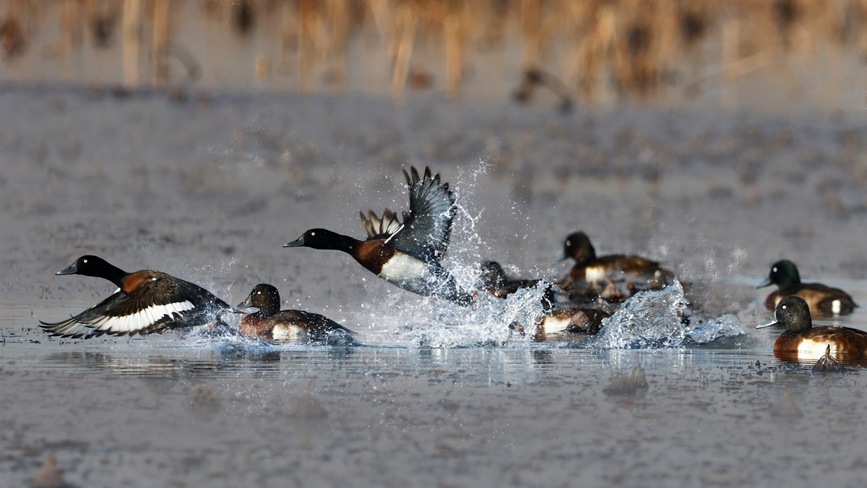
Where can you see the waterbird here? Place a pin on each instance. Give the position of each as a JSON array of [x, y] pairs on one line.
[[272, 324], [593, 275], [495, 281], [822, 299], [802, 341], [146, 301], [406, 254]]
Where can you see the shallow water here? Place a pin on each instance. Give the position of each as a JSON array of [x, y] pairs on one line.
[[209, 191]]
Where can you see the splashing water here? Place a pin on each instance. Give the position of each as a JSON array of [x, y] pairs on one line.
[[655, 319], [487, 324]]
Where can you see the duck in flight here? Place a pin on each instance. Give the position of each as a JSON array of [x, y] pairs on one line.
[[147, 301], [407, 254]]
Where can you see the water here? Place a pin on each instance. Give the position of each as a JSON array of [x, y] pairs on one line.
[[433, 396]]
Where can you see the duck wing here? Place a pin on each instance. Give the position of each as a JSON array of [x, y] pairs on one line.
[[427, 226], [153, 307], [380, 228]]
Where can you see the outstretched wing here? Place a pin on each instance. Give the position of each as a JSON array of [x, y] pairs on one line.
[[428, 224], [380, 228], [143, 312]]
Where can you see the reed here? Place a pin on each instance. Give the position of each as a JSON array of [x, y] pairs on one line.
[[591, 49]]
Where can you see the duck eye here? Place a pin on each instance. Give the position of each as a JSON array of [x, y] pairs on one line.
[[774, 269]]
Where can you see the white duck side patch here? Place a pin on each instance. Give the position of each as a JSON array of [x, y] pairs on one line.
[[288, 333], [402, 269], [815, 349], [555, 325], [142, 319], [836, 306], [595, 273]]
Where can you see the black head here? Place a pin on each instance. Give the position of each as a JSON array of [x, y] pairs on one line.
[[89, 266], [577, 246], [493, 274], [265, 297], [783, 273], [323, 239], [793, 313]]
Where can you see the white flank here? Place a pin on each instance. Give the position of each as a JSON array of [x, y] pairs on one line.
[[142, 319], [595, 273], [403, 269], [554, 325], [811, 349], [835, 307], [290, 333]]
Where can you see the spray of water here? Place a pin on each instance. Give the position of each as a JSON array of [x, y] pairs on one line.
[[657, 319]]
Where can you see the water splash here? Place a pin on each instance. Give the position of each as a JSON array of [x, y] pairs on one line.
[[660, 319], [488, 324]]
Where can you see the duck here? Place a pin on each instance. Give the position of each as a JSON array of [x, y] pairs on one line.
[[822, 299], [802, 341], [565, 323], [407, 254], [495, 281], [614, 277], [571, 320], [146, 302], [274, 325]]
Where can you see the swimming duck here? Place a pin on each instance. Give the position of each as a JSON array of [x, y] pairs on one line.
[[495, 281], [272, 324], [558, 324], [614, 277], [407, 254], [803, 341], [822, 299], [147, 301], [572, 320]]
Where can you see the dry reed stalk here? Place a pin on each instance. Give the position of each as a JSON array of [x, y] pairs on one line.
[[730, 54], [305, 44], [70, 29], [406, 22], [338, 20], [531, 19], [132, 20], [454, 42], [161, 15]]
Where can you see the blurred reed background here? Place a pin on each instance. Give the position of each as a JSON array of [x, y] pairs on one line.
[[730, 54]]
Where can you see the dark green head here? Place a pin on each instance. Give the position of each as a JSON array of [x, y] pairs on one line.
[[793, 313], [783, 273], [89, 265], [577, 246], [265, 297], [324, 239]]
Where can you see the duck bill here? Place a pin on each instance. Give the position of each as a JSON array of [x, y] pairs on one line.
[[767, 325], [764, 283], [247, 303], [296, 243], [69, 270]]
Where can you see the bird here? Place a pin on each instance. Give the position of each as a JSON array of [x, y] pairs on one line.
[[272, 324], [147, 301], [802, 341], [603, 275], [495, 281], [407, 254], [822, 299]]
